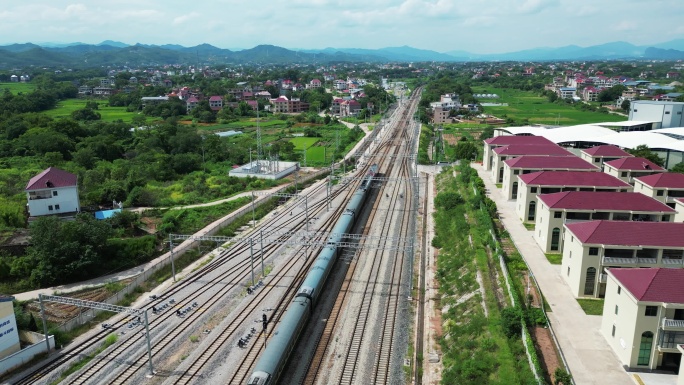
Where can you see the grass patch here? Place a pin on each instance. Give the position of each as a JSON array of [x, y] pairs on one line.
[[17, 87], [554, 259], [591, 306], [64, 109], [529, 226], [499, 185], [316, 155], [303, 143], [537, 109]]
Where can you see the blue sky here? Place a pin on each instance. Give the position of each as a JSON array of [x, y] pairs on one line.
[[478, 26]]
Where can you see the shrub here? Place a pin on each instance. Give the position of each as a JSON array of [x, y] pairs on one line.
[[511, 321]]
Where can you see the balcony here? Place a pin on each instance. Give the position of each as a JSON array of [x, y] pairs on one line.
[[672, 262], [673, 324], [620, 261]]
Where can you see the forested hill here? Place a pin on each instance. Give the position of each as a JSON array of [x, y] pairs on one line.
[[84, 55]]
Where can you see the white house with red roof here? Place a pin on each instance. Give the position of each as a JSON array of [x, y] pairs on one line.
[[191, 103], [53, 192], [591, 247], [530, 163], [350, 108], [314, 83], [643, 318], [679, 208], [504, 140], [598, 155], [504, 153], [631, 167], [216, 102], [665, 187], [549, 182], [555, 210], [335, 106]]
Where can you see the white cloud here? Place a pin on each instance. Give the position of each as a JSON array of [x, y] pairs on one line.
[[184, 18]]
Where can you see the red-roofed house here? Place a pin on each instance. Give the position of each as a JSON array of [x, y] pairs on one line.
[[643, 317], [679, 208], [598, 155], [350, 108], [52, 192], [530, 163], [665, 186], [216, 103], [515, 150], [593, 246], [554, 210], [191, 103], [335, 106], [315, 83], [632, 167], [548, 182], [504, 140]]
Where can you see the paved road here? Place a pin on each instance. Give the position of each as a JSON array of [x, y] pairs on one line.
[[589, 357]]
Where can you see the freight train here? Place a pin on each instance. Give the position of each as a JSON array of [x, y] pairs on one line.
[[283, 340]]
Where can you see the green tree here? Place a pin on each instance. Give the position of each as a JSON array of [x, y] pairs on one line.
[[64, 251], [644, 152], [465, 150], [679, 167]]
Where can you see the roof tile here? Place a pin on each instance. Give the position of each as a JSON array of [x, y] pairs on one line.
[[606, 150], [572, 178], [664, 179], [652, 284], [629, 233], [634, 163], [546, 162], [603, 200], [52, 177]]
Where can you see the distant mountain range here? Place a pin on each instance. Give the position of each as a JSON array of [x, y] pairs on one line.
[[116, 53]]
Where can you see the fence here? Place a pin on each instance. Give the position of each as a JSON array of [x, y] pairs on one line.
[[165, 259], [25, 355]]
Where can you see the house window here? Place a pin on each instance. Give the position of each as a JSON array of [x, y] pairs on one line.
[[54, 193], [568, 271], [533, 190], [516, 172], [56, 207], [619, 288], [593, 251], [557, 214], [50, 207], [667, 112], [660, 193], [651, 311], [590, 281], [616, 309], [623, 174], [613, 332], [666, 218], [572, 239], [531, 211], [645, 348], [570, 255], [555, 239]]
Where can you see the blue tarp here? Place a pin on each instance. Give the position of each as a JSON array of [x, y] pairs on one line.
[[104, 214]]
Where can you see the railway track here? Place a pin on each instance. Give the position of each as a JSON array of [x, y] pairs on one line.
[[219, 262], [319, 371]]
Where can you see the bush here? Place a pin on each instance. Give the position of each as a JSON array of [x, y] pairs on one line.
[[511, 321], [448, 200]]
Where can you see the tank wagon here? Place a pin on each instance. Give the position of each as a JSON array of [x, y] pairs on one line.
[[277, 352]]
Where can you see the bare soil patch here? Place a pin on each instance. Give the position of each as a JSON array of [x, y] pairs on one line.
[[547, 350]]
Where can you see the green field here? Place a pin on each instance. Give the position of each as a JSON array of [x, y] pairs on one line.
[[537, 109], [16, 88], [316, 155], [109, 114], [302, 143]]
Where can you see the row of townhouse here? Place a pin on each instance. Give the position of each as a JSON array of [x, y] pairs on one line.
[[617, 220]]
